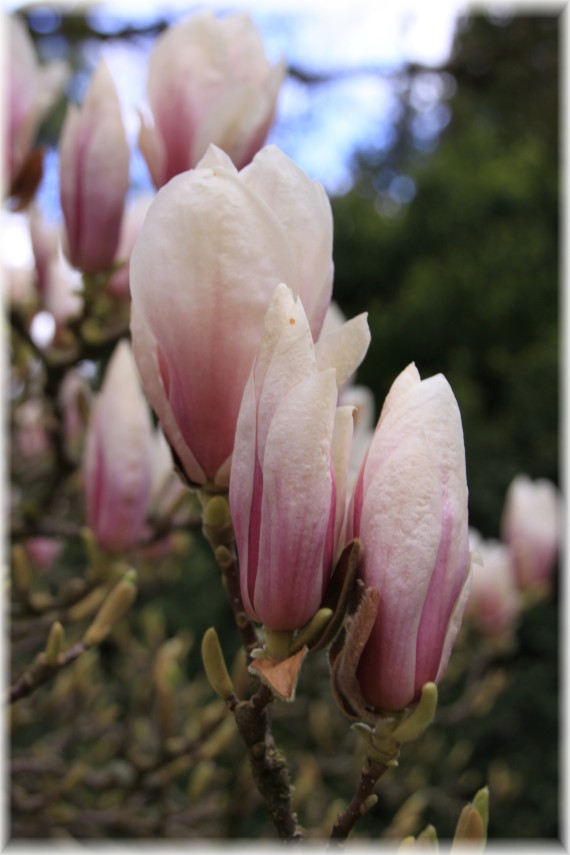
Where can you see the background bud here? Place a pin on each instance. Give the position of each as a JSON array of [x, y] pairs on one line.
[[531, 528], [94, 174], [117, 458], [208, 82]]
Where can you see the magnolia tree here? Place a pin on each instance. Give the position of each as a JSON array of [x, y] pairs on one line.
[[208, 304]]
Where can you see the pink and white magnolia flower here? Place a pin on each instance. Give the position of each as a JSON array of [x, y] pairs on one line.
[[214, 245], [494, 602], [117, 457], [94, 174], [532, 528], [208, 82], [32, 91], [410, 513], [290, 463]]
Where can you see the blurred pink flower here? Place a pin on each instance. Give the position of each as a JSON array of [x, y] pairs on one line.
[[32, 89], [532, 529], [117, 457], [208, 82], [289, 471], [214, 245], [94, 175], [494, 602], [43, 551], [410, 513]]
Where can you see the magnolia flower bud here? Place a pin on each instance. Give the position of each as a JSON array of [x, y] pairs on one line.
[[494, 601], [117, 457], [410, 514], [213, 247], [208, 82], [94, 174], [32, 91], [531, 527], [288, 478]]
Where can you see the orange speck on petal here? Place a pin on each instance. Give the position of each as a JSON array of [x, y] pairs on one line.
[[291, 320]]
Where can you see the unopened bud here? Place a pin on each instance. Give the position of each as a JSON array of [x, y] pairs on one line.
[[473, 820], [481, 804], [429, 835], [21, 570], [217, 513], [469, 826], [370, 802], [216, 520], [113, 609], [87, 605], [215, 665], [223, 556], [54, 643]]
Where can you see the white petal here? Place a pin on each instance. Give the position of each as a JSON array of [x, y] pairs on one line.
[[344, 348]]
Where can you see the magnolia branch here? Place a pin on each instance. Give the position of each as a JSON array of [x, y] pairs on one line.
[[362, 800], [41, 671], [268, 764]]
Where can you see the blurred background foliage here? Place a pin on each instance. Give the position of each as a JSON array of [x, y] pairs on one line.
[[464, 278], [453, 250]]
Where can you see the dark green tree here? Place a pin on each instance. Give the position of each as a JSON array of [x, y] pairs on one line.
[[464, 278]]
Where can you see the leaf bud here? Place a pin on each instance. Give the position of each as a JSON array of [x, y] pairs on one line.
[[113, 609], [215, 665], [54, 643], [473, 820]]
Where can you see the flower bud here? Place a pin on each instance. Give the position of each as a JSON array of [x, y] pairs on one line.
[[531, 528], [410, 512], [117, 457], [494, 601], [288, 478], [208, 82], [32, 91], [94, 175], [213, 247]]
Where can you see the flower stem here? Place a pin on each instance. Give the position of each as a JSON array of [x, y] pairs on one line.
[[361, 802], [268, 764]]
